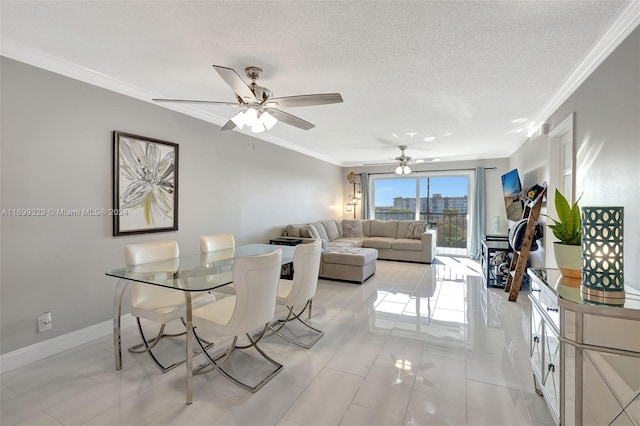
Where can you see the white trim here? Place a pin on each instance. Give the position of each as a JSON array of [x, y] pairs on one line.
[[41, 350], [37, 58], [622, 26], [563, 127]]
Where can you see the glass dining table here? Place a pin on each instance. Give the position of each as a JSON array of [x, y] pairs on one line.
[[191, 274]]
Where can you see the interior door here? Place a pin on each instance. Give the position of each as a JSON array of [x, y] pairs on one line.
[[561, 174]]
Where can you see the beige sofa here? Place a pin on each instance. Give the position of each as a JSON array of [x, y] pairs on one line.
[[390, 238]]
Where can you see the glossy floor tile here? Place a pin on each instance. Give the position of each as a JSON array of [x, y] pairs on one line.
[[414, 345]]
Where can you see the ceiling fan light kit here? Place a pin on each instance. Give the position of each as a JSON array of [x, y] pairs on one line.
[[258, 121], [403, 170], [261, 111]]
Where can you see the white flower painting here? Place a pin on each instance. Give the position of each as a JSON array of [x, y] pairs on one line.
[[145, 175]]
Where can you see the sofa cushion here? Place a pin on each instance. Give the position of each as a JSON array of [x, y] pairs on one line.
[[384, 228], [321, 230], [366, 228], [378, 242], [332, 229], [352, 228], [312, 231], [349, 256], [348, 242], [406, 244]]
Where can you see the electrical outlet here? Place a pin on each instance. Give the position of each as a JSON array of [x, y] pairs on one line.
[[45, 322]]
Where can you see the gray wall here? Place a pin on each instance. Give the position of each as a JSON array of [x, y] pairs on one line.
[[56, 144], [607, 135]]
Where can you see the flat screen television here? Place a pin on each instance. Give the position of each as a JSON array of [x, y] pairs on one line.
[[511, 189]]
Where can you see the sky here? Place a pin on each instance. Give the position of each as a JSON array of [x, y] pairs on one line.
[[387, 189]]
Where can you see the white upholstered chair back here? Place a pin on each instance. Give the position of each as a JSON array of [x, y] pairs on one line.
[[138, 254], [306, 265], [216, 242], [256, 282]]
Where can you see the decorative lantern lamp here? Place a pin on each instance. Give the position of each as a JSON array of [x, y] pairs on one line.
[[602, 255]]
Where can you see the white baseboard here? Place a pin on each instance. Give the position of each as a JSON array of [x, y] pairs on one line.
[[41, 350]]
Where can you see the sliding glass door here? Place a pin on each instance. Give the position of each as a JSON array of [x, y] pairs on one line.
[[441, 200]]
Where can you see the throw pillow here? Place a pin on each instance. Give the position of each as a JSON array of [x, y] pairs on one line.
[[313, 232], [305, 231], [352, 228], [416, 230]]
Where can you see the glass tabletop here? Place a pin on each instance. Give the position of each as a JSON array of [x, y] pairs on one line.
[[197, 272]]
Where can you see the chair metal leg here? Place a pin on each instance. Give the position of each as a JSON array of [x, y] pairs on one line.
[[218, 362], [278, 325], [149, 345]]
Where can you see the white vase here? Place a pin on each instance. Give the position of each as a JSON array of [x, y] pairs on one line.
[[568, 259]]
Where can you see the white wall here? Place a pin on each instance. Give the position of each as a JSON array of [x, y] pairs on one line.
[[56, 149], [607, 135]]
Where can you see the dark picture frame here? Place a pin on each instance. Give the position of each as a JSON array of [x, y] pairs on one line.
[[145, 184]]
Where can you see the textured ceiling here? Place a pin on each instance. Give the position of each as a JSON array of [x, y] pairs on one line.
[[472, 75]]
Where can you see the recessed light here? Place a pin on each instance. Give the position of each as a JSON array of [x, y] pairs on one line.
[[435, 160], [429, 139], [411, 134], [447, 133]]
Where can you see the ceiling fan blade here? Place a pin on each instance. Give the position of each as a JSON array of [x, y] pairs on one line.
[[380, 164], [291, 119], [191, 101], [229, 125], [305, 100], [236, 82]]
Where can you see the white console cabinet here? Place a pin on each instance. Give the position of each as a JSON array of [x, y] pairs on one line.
[[585, 356]]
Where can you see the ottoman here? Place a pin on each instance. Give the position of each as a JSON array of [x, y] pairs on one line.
[[354, 264]]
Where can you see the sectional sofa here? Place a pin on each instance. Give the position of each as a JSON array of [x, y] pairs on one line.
[[352, 246]]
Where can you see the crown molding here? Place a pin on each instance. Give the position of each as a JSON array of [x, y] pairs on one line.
[[39, 59], [620, 28]]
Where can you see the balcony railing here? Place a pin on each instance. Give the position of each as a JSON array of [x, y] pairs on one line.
[[451, 227]]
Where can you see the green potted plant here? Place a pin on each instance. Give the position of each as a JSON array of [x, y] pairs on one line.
[[567, 229]]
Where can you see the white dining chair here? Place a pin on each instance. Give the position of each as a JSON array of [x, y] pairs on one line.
[[209, 245], [249, 311], [297, 294], [154, 303], [216, 242]]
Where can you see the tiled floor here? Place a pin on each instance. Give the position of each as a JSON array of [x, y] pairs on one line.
[[415, 345]]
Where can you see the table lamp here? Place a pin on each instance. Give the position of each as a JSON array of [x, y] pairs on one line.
[[602, 255]]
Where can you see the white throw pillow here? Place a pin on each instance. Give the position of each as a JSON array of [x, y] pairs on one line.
[[314, 232]]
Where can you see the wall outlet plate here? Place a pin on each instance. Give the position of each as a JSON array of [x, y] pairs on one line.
[[44, 322]]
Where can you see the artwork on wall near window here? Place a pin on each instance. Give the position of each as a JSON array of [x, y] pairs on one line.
[[145, 185]]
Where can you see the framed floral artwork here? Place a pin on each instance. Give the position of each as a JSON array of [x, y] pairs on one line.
[[145, 185]]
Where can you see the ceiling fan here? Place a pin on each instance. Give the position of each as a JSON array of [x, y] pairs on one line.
[[260, 110], [402, 161]]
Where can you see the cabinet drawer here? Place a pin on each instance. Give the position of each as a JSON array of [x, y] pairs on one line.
[[547, 302], [612, 332]]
